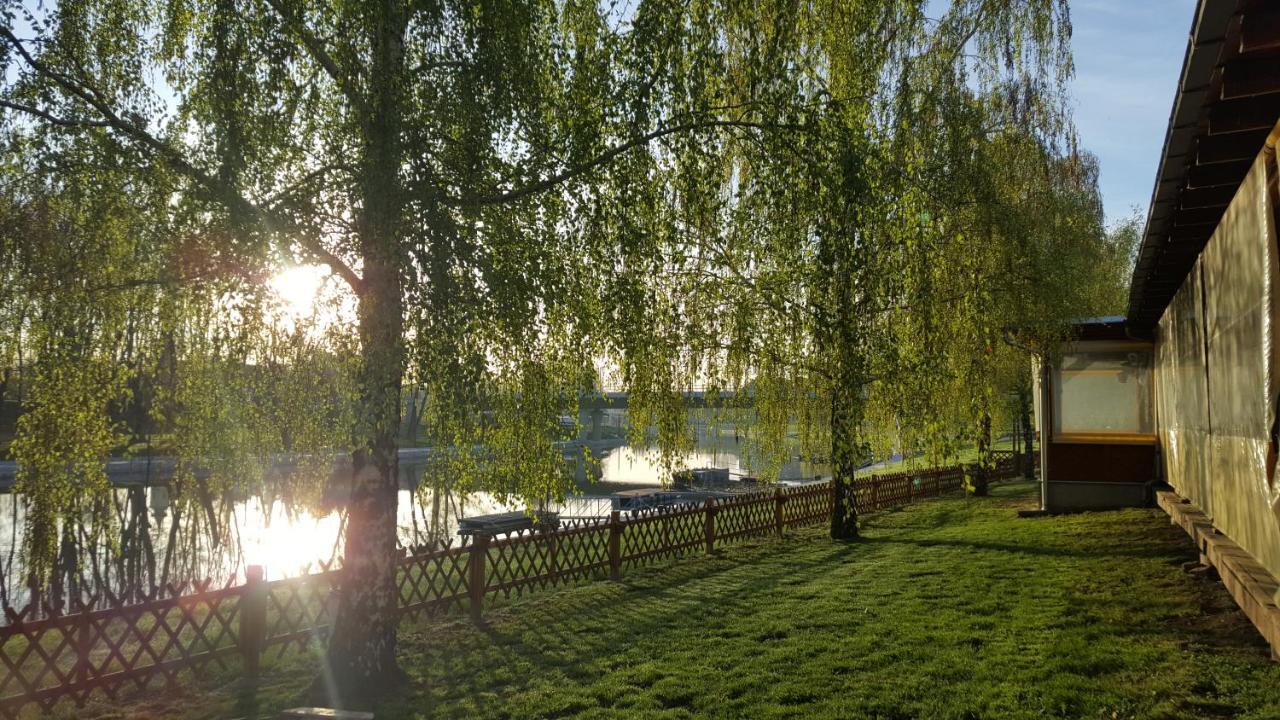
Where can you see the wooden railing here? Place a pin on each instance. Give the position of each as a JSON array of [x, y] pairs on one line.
[[49, 655]]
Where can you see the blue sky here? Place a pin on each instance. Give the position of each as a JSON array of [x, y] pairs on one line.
[[1128, 54]]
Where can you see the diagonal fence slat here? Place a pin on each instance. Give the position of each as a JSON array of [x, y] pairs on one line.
[[663, 534], [137, 641], [72, 656]]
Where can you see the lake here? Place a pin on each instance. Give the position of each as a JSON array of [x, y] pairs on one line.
[[234, 532]]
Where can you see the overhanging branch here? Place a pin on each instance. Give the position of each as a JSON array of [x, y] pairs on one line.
[[608, 155], [317, 51], [51, 118], [223, 192]]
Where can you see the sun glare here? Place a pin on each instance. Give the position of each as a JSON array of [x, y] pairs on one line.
[[298, 288]]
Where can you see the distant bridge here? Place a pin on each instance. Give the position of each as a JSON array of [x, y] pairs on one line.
[[146, 471], [591, 406], [694, 398]]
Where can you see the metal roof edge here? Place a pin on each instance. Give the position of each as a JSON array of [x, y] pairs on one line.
[[1204, 43]]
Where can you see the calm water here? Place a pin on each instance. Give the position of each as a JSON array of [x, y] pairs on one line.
[[290, 542]]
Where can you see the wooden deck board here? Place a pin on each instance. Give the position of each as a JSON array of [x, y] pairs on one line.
[[1251, 585]]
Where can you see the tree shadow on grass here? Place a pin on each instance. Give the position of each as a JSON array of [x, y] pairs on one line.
[[1025, 548], [569, 635], [571, 639], [575, 648]]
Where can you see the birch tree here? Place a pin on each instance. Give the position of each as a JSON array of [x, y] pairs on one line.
[[507, 193]]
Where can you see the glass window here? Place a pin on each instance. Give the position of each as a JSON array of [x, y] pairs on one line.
[[1103, 392]]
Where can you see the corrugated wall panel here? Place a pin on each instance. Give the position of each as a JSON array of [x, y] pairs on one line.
[[1181, 393], [1216, 452]]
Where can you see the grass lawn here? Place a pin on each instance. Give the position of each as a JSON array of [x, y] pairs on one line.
[[919, 462], [951, 608]]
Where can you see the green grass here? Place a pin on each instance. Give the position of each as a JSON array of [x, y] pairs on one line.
[[968, 454], [951, 608]]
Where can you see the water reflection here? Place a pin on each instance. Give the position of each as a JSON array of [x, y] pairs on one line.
[[163, 545], [626, 465]]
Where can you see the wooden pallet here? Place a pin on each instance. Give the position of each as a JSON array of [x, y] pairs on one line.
[[1250, 584]]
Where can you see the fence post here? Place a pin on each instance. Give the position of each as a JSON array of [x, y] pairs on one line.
[[476, 578], [552, 538], [615, 546], [710, 515], [84, 646], [253, 618], [778, 499]]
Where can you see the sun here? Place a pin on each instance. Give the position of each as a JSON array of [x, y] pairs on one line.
[[298, 287]]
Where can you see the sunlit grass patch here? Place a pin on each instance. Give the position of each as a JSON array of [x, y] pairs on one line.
[[953, 608]]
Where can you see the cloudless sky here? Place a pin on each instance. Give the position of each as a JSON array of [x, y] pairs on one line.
[[1128, 56]]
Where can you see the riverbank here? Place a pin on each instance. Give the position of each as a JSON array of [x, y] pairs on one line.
[[949, 609]]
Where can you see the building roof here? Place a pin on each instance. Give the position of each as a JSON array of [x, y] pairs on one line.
[[1227, 101], [1103, 320], [1108, 327]]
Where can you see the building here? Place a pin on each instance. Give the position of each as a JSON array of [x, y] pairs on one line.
[[1094, 408], [1185, 389]]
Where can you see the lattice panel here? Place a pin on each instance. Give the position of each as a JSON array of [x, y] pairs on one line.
[[518, 561], [663, 535], [104, 651], [885, 491], [581, 553], [536, 559], [38, 657], [300, 610], [810, 505], [434, 583], [748, 517]]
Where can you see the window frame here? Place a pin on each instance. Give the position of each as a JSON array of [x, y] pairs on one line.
[[1101, 437]]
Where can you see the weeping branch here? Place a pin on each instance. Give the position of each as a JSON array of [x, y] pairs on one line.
[[293, 20], [223, 192], [608, 155]]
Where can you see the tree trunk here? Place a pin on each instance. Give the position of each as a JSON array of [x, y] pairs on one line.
[[1028, 433], [362, 650], [842, 343], [361, 659], [844, 467], [847, 452], [982, 476]]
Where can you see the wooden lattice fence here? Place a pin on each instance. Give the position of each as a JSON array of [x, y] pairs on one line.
[[49, 655]]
